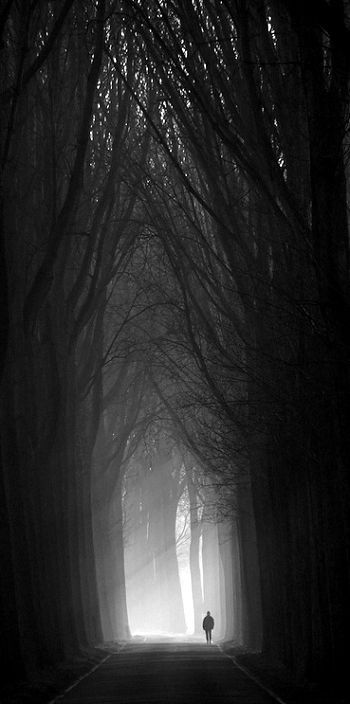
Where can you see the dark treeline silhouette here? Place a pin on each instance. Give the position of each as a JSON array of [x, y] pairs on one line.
[[174, 267]]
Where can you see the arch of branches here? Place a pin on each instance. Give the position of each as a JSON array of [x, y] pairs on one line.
[[174, 324]]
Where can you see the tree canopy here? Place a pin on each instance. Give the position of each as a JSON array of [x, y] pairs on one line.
[[174, 263]]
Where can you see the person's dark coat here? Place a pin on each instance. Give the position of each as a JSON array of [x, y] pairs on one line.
[[208, 623]]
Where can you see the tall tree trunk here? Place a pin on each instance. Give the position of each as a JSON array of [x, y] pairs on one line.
[[118, 596], [195, 527], [10, 646], [250, 573], [232, 594], [109, 540]]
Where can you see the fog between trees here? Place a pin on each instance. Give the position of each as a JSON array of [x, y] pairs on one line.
[[174, 322]]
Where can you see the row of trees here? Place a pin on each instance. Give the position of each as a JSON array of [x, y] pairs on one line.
[[68, 228], [175, 247], [266, 312]]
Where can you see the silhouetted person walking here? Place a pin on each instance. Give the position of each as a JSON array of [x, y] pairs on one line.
[[208, 625]]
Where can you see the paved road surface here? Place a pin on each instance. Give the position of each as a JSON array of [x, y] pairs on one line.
[[167, 673]]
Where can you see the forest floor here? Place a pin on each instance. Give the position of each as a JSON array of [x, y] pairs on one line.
[[275, 677], [51, 683]]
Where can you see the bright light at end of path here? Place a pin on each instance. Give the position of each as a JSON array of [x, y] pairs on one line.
[[186, 589], [158, 580], [157, 569], [158, 599], [183, 542]]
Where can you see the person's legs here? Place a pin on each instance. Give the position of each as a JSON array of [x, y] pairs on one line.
[[207, 636]]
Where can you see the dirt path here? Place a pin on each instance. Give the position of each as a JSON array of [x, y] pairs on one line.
[[167, 673]]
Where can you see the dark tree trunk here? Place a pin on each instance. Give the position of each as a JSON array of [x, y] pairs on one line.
[[10, 653], [249, 567]]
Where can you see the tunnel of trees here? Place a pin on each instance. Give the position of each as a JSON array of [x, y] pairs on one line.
[[175, 331]]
